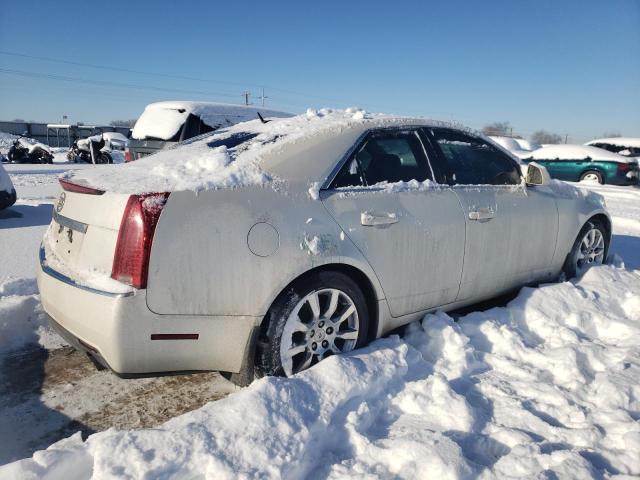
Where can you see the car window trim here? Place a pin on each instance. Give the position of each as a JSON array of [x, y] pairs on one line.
[[360, 143]]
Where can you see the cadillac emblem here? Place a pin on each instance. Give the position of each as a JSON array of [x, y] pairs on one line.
[[60, 204]]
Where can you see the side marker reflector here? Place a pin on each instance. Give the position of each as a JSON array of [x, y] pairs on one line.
[[175, 336]]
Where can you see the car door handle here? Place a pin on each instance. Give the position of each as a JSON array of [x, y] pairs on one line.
[[370, 219], [482, 214]]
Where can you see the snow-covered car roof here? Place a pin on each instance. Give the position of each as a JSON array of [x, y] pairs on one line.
[[507, 142], [301, 149], [577, 152], [162, 120], [527, 145], [618, 141], [510, 145]]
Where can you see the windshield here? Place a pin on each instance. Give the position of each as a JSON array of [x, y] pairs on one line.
[[160, 124]]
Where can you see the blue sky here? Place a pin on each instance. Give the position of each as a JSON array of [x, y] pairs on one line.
[[569, 66]]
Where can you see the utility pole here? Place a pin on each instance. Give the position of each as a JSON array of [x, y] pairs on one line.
[[246, 97], [566, 137], [263, 97]]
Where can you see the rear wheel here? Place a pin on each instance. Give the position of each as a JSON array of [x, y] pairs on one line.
[[104, 158], [592, 176], [319, 316], [589, 249]]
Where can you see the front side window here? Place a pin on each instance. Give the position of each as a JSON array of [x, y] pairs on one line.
[[385, 157], [472, 161]]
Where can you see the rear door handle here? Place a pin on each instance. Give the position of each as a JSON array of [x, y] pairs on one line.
[[371, 219], [482, 214]]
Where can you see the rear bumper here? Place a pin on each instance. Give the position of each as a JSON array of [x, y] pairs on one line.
[[117, 330], [629, 178]]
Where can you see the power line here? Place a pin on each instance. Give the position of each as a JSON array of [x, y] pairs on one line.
[[51, 76], [177, 77], [120, 69]]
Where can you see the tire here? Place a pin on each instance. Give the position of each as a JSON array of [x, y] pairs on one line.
[[576, 264], [291, 322], [592, 175], [104, 158]]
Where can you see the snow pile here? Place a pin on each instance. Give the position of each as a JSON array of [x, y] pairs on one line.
[[548, 386], [218, 160], [22, 320], [576, 152]]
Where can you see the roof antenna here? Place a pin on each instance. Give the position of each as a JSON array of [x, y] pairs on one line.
[[262, 119]]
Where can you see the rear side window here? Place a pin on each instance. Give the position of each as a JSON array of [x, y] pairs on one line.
[[385, 157], [619, 149], [472, 161]]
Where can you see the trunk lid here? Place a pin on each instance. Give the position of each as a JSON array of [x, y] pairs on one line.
[[83, 232]]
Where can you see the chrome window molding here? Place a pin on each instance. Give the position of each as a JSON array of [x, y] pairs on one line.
[[69, 223]]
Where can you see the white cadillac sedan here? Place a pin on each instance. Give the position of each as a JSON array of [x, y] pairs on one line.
[[270, 246]]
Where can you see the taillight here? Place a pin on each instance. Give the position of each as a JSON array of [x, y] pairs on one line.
[[624, 167], [74, 187], [128, 156], [133, 248]]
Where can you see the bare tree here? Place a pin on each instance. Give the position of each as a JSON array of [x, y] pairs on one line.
[[611, 135], [542, 137], [123, 123], [497, 128], [19, 120]]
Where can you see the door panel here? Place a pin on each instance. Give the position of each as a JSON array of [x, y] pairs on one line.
[[511, 229], [565, 169], [411, 233], [418, 258], [513, 247]]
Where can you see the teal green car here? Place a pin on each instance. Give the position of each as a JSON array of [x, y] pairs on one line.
[[575, 163]]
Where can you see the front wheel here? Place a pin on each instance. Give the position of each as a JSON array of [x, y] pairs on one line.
[[590, 248], [319, 316], [592, 176]]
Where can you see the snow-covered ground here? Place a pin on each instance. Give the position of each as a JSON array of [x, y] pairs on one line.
[[546, 386]]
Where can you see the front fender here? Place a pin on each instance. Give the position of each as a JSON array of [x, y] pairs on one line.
[[575, 208]]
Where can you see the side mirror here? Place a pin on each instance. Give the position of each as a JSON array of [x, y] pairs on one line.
[[537, 174]]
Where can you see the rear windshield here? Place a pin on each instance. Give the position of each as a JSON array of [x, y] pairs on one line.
[[232, 140]]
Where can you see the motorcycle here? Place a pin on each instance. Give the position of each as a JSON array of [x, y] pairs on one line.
[[22, 151], [90, 150]]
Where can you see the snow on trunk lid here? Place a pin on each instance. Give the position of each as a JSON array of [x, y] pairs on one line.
[[80, 242]]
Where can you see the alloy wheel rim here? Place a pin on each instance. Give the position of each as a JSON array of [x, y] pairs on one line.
[[323, 323], [592, 177], [590, 251]]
